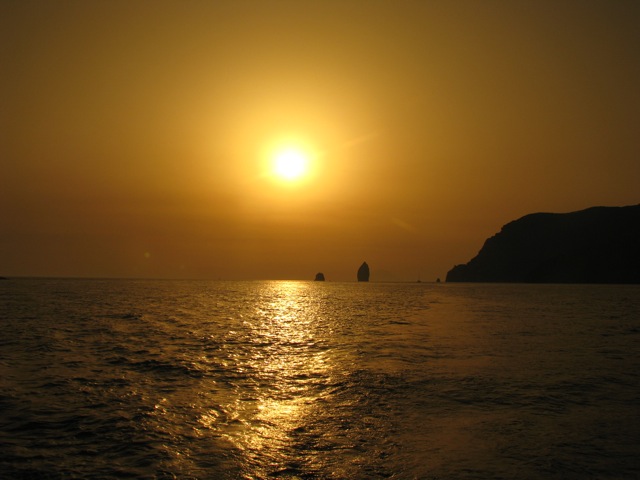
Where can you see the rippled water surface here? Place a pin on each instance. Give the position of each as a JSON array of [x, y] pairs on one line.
[[184, 379]]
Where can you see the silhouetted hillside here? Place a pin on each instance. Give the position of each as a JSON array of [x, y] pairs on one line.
[[597, 245]]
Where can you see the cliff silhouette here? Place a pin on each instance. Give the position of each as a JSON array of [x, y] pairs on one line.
[[596, 245]]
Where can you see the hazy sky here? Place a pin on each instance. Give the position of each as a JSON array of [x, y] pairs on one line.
[[136, 136]]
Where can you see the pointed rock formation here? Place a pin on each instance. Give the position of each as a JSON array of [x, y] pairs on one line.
[[319, 277], [363, 273]]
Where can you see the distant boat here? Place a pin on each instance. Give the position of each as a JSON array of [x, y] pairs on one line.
[[363, 273]]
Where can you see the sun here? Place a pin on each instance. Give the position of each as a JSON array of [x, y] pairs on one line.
[[290, 164]]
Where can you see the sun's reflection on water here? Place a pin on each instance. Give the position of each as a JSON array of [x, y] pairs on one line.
[[287, 365]]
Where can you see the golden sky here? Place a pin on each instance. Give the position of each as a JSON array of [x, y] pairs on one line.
[[136, 137]]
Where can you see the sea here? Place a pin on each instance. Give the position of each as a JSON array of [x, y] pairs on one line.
[[180, 379]]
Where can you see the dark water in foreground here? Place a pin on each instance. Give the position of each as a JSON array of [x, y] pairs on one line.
[[183, 379]]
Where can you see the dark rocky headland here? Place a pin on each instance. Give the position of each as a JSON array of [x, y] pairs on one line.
[[596, 245]]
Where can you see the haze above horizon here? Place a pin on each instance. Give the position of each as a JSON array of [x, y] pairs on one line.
[[139, 138]]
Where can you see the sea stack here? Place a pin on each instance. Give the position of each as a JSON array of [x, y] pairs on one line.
[[319, 277], [363, 273]]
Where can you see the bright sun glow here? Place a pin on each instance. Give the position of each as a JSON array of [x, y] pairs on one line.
[[291, 164]]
